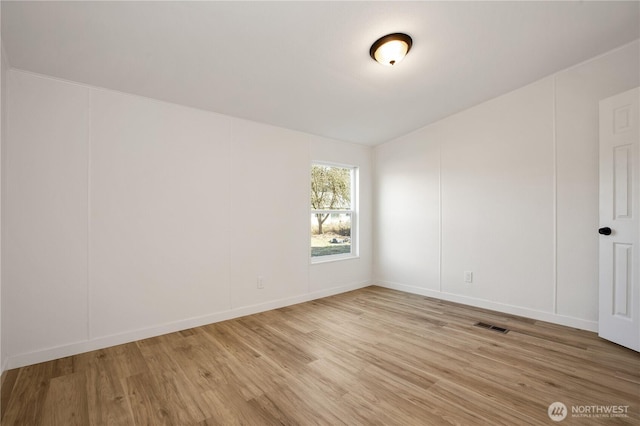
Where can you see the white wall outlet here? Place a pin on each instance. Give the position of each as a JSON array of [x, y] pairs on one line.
[[260, 283], [468, 276]]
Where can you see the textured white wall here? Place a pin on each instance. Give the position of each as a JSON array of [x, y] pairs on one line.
[[508, 190], [130, 217]]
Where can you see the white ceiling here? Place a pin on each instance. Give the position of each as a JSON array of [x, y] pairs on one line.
[[306, 65]]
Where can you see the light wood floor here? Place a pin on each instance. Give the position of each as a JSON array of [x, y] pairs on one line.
[[372, 356]]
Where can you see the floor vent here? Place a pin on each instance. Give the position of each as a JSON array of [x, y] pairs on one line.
[[492, 327]]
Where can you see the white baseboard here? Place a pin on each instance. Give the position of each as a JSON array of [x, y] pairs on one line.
[[48, 354], [495, 306]]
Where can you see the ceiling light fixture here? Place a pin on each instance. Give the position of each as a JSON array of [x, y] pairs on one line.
[[391, 49]]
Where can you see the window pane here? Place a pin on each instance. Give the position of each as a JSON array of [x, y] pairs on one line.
[[330, 234], [330, 188]]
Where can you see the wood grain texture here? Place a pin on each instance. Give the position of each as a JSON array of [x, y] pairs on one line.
[[368, 357]]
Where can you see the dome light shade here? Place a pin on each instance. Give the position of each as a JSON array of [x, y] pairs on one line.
[[391, 49]]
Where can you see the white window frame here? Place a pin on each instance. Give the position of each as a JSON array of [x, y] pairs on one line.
[[353, 211]]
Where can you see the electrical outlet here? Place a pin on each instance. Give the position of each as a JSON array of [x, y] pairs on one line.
[[468, 276], [260, 283]]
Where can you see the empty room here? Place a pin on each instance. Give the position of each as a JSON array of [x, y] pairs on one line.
[[320, 213]]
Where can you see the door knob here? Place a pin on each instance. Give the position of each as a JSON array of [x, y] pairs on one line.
[[604, 231]]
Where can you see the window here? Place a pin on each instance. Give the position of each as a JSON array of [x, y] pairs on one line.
[[333, 212]]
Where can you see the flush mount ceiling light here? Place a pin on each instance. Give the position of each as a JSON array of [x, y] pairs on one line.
[[391, 49]]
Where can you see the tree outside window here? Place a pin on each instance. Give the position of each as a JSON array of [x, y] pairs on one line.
[[332, 211]]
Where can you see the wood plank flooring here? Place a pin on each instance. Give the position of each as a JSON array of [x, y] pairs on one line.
[[368, 357]]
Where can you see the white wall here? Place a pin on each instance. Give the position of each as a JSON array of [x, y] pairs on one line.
[[130, 218], [4, 65], [578, 91], [159, 213], [339, 274], [508, 190], [45, 217]]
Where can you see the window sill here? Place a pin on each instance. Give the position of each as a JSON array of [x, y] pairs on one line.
[[333, 259]]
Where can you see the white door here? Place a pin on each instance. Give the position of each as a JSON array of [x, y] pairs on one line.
[[619, 219]]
